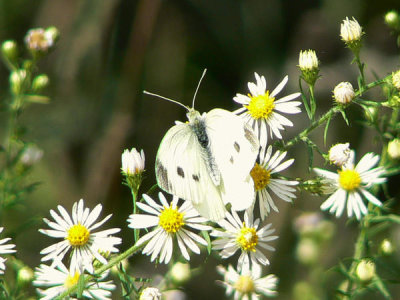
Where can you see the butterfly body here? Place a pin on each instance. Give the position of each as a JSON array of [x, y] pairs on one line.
[[208, 161]]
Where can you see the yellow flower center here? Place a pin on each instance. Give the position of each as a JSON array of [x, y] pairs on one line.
[[78, 235], [171, 220], [349, 179], [261, 107], [261, 177], [247, 238], [244, 284], [71, 280]]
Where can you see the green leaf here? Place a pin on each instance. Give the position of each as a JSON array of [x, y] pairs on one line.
[[326, 128], [208, 240], [37, 99], [381, 287], [80, 286], [344, 117]]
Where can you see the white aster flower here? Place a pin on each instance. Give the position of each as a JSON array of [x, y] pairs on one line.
[[170, 221], [132, 162], [5, 249], [248, 284], [351, 186], [60, 279], [339, 154], [308, 60], [261, 109], [77, 234], [150, 293], [39, 39], [244, 236], [265, 181]]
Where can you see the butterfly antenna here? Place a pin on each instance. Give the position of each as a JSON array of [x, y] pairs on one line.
[[165, 98], [198, 85]]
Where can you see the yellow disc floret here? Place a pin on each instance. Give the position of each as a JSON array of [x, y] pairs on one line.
[[261, 177], [71, 280], [349, 179], [261, 107], [78, 235], [247, 238], [171, 220], [244, 284]]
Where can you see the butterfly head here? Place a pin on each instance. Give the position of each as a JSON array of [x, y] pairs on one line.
[[192, 115]]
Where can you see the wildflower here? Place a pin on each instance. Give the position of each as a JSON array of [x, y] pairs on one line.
[[339, 154], [150, 293], [263, 175], [261, 108], [5, 249], [132, 162], [365, 270], [244, 236], [77, 234], [394, 149], [60, 279], [308, 64], [248, 284], [351, 186], [396, 79], [38, 39], [350, 31], [343, 93], [170, 221]]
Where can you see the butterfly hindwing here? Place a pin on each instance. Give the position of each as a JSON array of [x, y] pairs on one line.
[[235, 148]]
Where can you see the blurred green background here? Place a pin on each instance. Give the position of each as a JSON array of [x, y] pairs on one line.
[[110, 51]]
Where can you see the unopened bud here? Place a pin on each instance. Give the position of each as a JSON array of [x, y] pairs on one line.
[[387, 247], [307, 251], [366, 270], [396, 79], [52, 33], [10, 50], [394, 149], [17, 80], [343, 93], [392, 19], [308, 64], [180, 273], [150, 293], [25, 275], [339, 154], [40, 82]]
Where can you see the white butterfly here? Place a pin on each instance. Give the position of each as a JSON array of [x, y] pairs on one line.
[[208, 160]]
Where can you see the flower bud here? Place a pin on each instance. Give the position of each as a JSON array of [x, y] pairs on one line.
[[343, 93], [339, 154], [394, 149], [392, 19], [386, 247], [308, 64], [365, 270], [396, 79], [40, 82], [25, 275], [52, 33], [350, 31], [17, 80], [307, 251], [180, 273], [31, 155], [150, 293], [132, 162], [10, 50]]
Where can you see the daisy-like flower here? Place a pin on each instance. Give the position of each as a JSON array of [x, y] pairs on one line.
[[39, 39], [170, 221], [339, 154], [77, 234], [60, 279], [248, 284], [5, 249], [351, 184], [244, 236], [261, 109], [263, 175]]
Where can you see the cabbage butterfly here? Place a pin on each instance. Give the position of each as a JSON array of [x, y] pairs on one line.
[[208, 160]]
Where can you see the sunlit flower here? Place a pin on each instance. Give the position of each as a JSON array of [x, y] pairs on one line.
[[343, 93], [265, 180], [170, 221], [59, 279], [350, 30], [5, 249], [132, 162], [248, 284], [245, 237], [351, 186], [39, 39], [77, 234], [261, 109], [339, 154], [150, 293]]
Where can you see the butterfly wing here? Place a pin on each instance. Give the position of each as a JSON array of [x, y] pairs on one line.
[[181, 170], [235, 148]]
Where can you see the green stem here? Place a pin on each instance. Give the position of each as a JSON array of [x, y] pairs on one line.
[[135, 231], [132, 250]]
